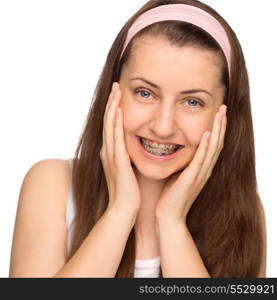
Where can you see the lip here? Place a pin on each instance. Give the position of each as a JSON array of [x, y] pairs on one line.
[[154, 157], [167, 144]]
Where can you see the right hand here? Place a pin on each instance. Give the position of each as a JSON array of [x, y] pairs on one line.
[[124, 192]]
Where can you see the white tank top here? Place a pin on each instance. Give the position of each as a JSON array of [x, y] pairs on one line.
[[143, 267]]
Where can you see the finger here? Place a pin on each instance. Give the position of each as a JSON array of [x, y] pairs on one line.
[[221, 137], [105, 117], [110, 124], [213, 149], [120, 153], [199, 157], [215, 135], [223, 129], [109, 101]]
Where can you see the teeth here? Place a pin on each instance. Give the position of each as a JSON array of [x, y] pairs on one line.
[[161, 146], [156, 149]]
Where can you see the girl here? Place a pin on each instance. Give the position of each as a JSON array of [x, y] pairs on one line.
[[160, 185]]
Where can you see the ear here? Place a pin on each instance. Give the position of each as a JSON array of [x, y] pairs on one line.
[[262, 272]]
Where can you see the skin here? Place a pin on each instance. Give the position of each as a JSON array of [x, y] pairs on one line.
[[166, 115], [168, 188]]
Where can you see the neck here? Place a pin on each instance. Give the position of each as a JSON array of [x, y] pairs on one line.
[[145, 226]]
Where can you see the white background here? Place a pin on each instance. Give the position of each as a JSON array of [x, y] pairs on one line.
[[51, 56]]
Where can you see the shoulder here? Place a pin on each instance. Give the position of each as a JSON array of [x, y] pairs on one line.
[[50, 165], [262, 212], [262, 272], [40, 225], [45, 175], [46, 178]]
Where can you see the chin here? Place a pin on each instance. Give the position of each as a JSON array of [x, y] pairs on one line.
[[154, 172]]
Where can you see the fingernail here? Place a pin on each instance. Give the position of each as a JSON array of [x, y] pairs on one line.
[[113, 87], [224, 109]]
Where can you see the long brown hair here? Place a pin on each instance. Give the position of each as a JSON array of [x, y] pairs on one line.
[[224, 220]]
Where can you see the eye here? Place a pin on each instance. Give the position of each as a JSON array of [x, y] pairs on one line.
[[194, 101], [142, 92]]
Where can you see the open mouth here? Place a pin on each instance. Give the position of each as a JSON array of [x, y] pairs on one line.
[[159, 149]]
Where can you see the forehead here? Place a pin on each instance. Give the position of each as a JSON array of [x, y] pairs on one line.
[[156, 58]]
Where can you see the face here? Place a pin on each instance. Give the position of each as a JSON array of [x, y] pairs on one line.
[[174, 102]]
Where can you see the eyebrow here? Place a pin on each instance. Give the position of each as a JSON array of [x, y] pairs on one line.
[[183, 92]]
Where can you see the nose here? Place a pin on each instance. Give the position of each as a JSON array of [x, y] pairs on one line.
[[163, 123]]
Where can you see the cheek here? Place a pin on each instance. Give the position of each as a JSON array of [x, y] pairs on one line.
[[133, 117], [194, 129], [134, 114]]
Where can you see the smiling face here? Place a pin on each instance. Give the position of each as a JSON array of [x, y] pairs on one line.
[[174, 101]]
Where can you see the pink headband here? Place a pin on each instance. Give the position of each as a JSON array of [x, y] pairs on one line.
[[185, 13]]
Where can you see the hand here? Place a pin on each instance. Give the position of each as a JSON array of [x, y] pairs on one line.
[[124, 193], [183, 187]]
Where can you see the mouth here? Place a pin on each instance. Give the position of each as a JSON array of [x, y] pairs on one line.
[[153, 150]]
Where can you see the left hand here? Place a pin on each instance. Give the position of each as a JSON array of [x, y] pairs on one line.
[[183, 187]]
